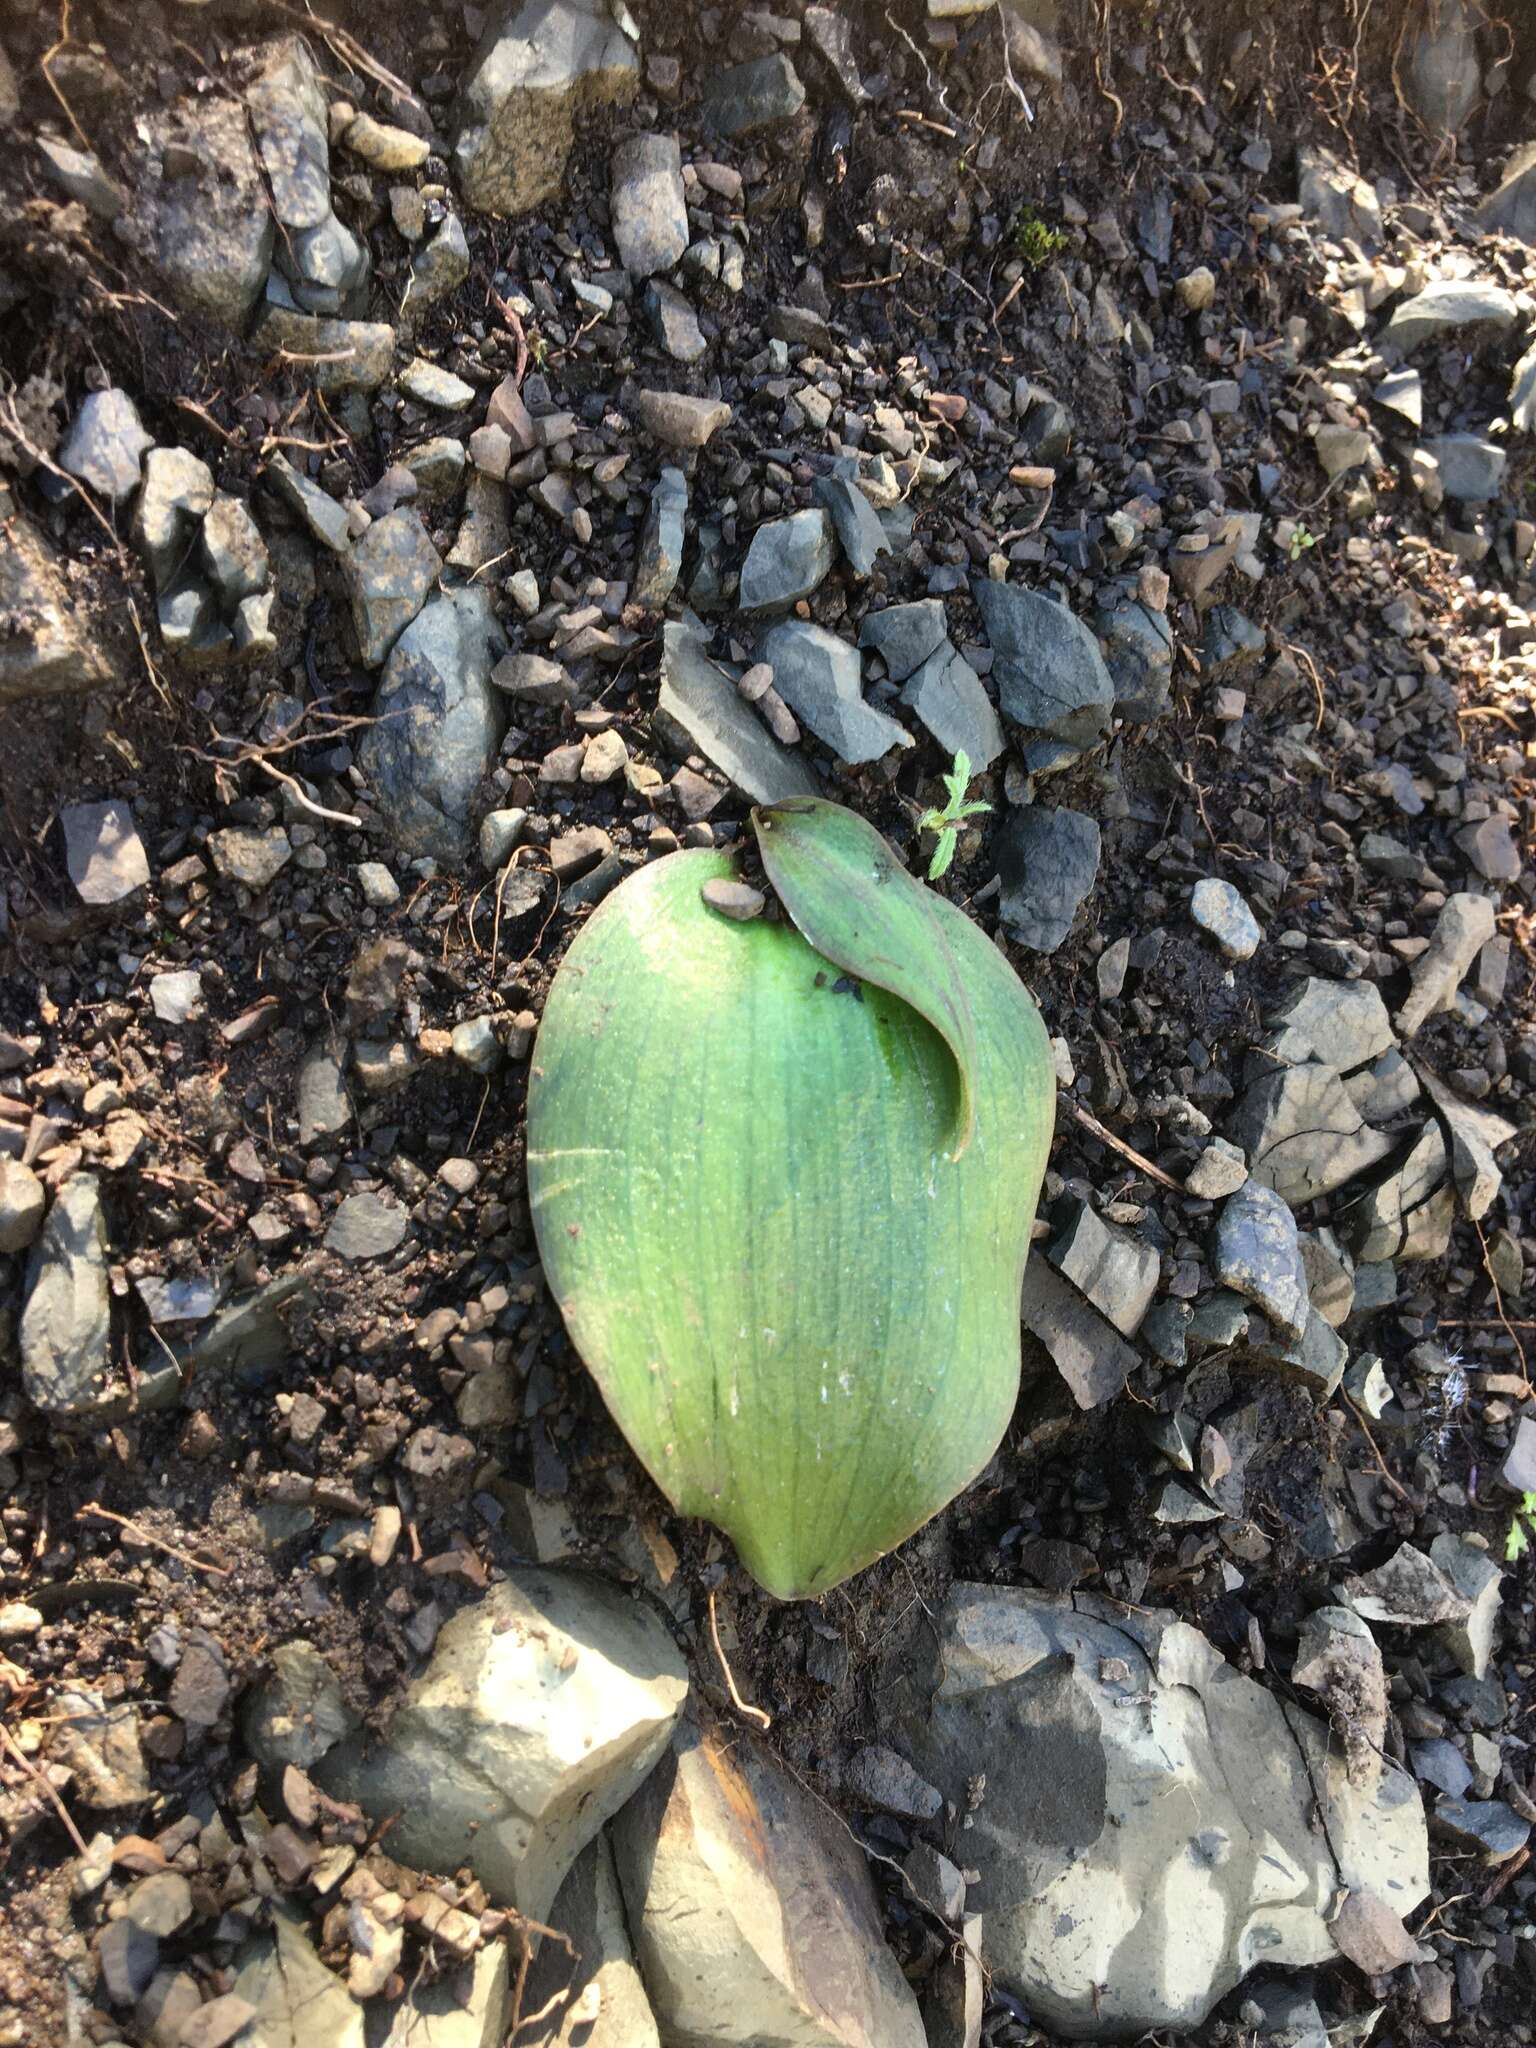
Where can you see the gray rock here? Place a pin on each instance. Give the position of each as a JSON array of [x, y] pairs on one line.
[[1447, 307], [859, 533], [1408, 1591], [679, 419], [545, 1706], [1047, 861], [1087, 1351], [1222, 911], [47, 649], [1471, 469], [65, 1334], [1342, 1023], [605, 2001], [700, 710], [1440, 1763], [251, 858], [439, 267], [1049, 672], [1487, 1825], [878, 1777], [160, 1903], [541, 65], [1118, 1273], [1407, 1210], [753, 1914], [675, 323], [211, 220], [177, 997], [323, 1105], [390, 572], [1316, 1358], [327, 268], [1337, 1657], [1440, 69], [105, 446], [1518, 1472], [787, 560], [433, 386], [425, 760], [285, 99], [234, 554], [1472, 1135], [1330, 1276], [453, 2013], [1232, 645], [1220, 1170], [1403, 393], [367, 1226], [1491, 848], [1303, 1135], [1073, 1709], [80, 177], [1511, 208], [646, 204], [1138, 652], [818, 677], [1468, 1638], [1344, 206], [947, 695], [22, 1205], [99, 1745], [103, 851], [296, 1713], [128, 1958], [660, 560], [296, 2000], [534, 680], [1522, 385], [742, 98], [1257, 1255], [339, 355], [1341, 449], [317, 510], [905, 635], [1386, 1089], [1463, 928]]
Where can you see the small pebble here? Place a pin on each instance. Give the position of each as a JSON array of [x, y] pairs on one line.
[[736, 900]]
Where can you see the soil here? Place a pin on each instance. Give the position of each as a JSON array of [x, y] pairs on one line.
[[1280, 812]]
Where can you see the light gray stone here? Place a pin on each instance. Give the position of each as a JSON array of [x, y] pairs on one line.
[[336, 356], [1091, 1356], [65, 1333], [1518, 1471], [905, 635], [1511, 208], [660, 560], [1117, 1272], [234, 555], [1447, 307], [1386, 1089], [1220, 1170], [99, 1744], [472, 2009], [324, 1107], [947, 695], [297, 2001], [1463, 928], [390, 572], [679, 419], [1303, 1135], [1406, 1212], [646, 204], [1337, 1657], [318, 512], [367, 1225], [1049, 672], [787, 560], [545, 1706], [23, 1205], [1440, 69], [1342, 1023], [296, 1712], [675, 322], [49, 647], [540, 66], [251, 857], [859, 533], [818, 676], [1468, 1639], [210, 217], [1472, 1135], [1471, 468], [1257, 1255], [700, 710], [103, 851], [1344, 206], [285, 99], [1137, 642], [438, 268], [753, 1914], [425, 760], [1047, 861], [105, 446], [177, 997], [1221, 910], [433, 386], [1075, 1709]]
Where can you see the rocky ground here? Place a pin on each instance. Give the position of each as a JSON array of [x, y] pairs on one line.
[[449, 458]]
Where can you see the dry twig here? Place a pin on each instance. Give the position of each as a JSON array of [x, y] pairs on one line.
[[1106, 1136], [142, 1535], [41, 1778]]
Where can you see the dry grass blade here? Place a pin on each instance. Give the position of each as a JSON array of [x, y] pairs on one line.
[[1107, 1137]]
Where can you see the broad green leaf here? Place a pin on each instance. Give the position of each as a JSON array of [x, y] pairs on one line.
[[801, 1310]]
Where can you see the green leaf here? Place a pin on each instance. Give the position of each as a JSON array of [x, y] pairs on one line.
[[1516, 1543], [943, 853], [802, 1309]]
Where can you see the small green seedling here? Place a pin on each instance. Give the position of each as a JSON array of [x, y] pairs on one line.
[[1035, 243], [1301, 540], [1522, 1523], [947, 822]]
